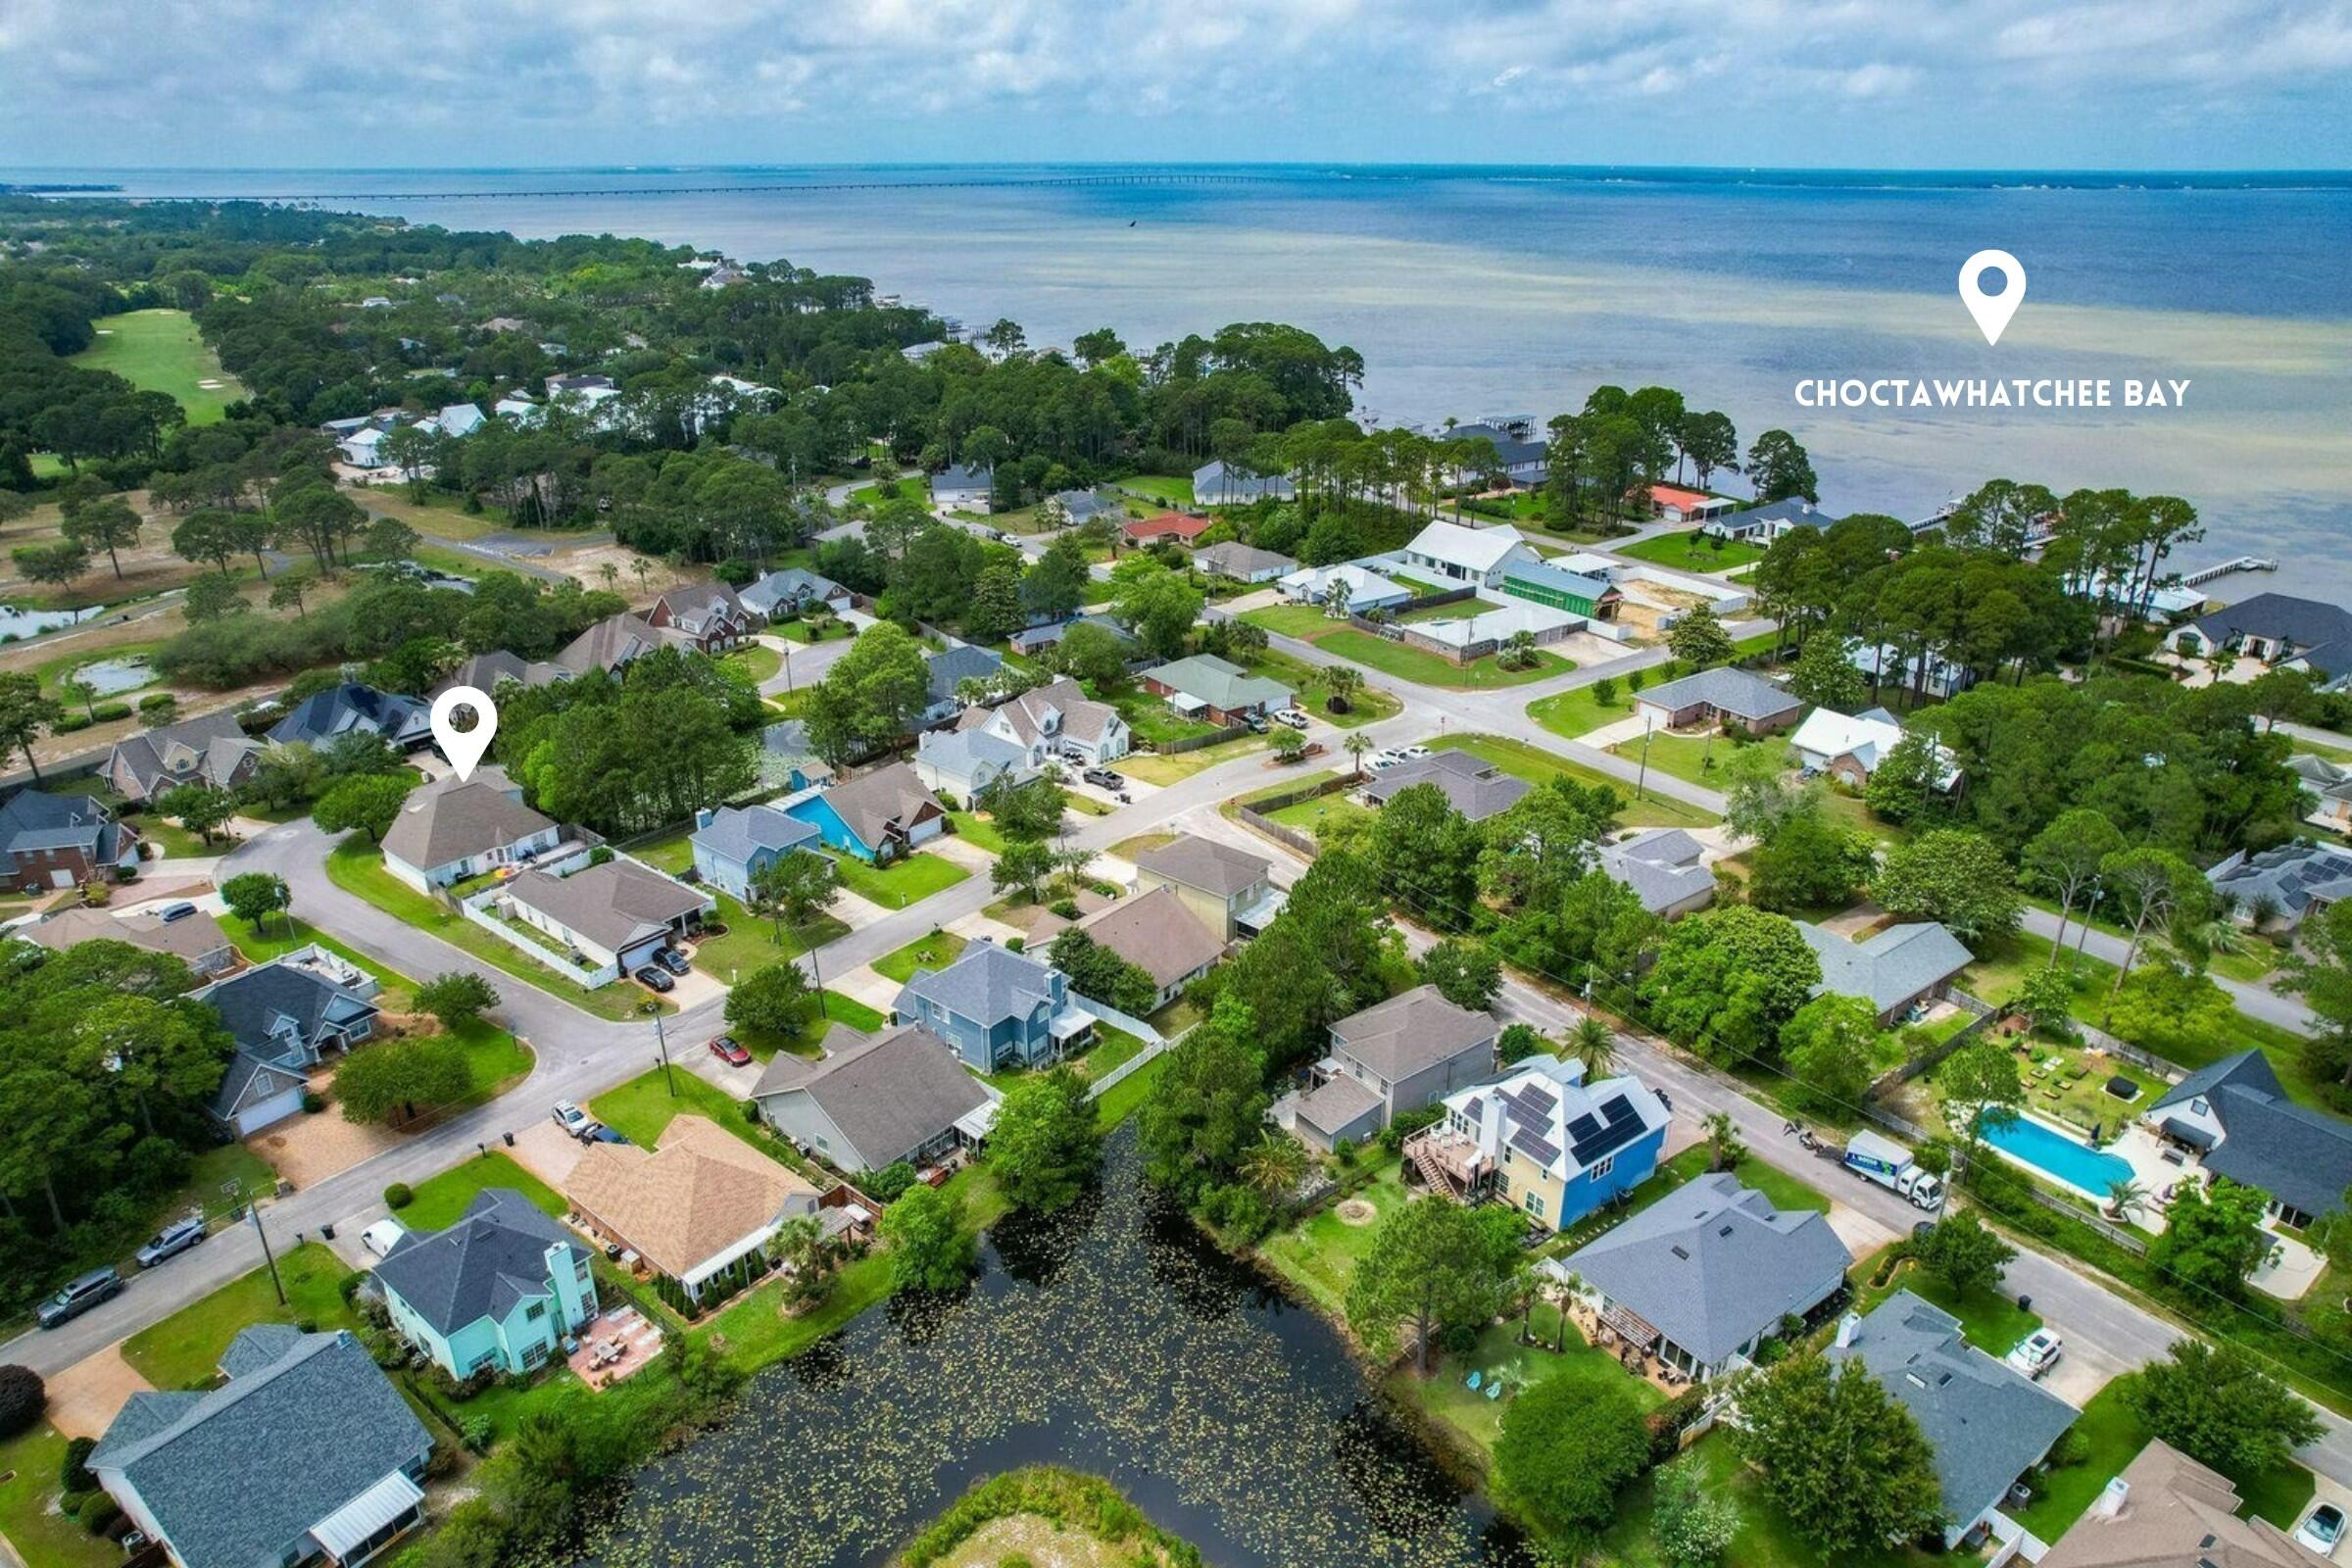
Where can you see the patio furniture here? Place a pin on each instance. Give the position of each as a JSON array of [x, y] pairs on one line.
[[1476, 1377]]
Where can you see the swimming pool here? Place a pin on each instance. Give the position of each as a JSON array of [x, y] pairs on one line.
[[2056, 1155]]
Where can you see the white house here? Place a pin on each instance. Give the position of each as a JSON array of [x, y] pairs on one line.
[[1055, 721], [614, 915], [1365, 589], [454, 829], [963, 764], [1474, 558], [1852, 746], [961, 487]]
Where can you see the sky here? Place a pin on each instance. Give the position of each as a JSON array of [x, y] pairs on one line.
[[1839, 84]]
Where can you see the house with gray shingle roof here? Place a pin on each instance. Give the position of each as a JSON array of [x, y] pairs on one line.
[[1733, 699], [960, 486], [487, 672], [284, 1015], [2279, 629], [1219, 483], [2236, 1117], [60, 841], [1081, 507], [1706, 1273], [963, 763], [1243, 562], [1766, 522], [616, 914], [194, 938], [791, 590], [1665, 866], [1230, 889], [306, 1450], [457, 828], [875, 1101], [708, 613], [2284, 885], [736, 843], [353, 708], [1057, 720], [1900, 966], [212, 750], [949, 670], [875, 816], [1987, 1424], [497, 1290], [1402, 1054], [1471, 785], [997, 1009], [1158, 932], [615, 642]]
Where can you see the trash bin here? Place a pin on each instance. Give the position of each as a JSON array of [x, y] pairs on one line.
[[509, 1138], [326, 1232], [2024, 1304]]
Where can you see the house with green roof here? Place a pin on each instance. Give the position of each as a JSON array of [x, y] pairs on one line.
[[1214, 689]]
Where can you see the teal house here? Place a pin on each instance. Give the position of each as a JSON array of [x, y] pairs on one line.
[[497, 1291]]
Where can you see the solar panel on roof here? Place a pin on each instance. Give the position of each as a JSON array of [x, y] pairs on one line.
[[1539, 1097], [1623, 1126], [1584, 1127], [1534, 1147]]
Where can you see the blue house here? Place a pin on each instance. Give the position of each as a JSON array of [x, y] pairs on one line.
[[734, 844], [497, 1290], [951, 668], [997, 1007], [877, 817], [1546, 1142]]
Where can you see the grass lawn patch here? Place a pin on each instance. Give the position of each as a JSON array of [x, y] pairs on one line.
[[750, 942], [1765, 1538], [160, 351], [438, 1202], [2114, 1437], [908, 880], [1445, 1395], [933, 951], [1693, 552], [1307, 622], [29, 1513], [1319, 1253], [1174, 490], [1153, 720], [358, 868], [1990, 1322], [1320, 815], [809, 1038], [644, 1106], [1170, 767], [184, 1349], [980, 829], [1427, 670], [1123, 1099], [177, 842], [1574, 714], [1310, 688], [1130, 848], [1535, 764], [753, 664]]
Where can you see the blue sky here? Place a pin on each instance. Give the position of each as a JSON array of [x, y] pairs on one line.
[[1971, 84]]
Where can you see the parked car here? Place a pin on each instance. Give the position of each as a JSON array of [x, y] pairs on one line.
[[175, 912], [1103, 778], [571, 1118], [382, 1236], [2323, 1531], [1413, 753], [674, 961], [1382, 761], [2037, 1352], [599, 1133], [727, 1050], [1256, 724], [654, 978], [78, 1297], [1296, 718], [172, 1241]]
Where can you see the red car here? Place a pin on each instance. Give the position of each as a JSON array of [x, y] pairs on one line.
[[728, 1051]]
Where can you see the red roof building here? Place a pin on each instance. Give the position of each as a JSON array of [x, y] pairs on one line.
[[1180, 526], [1677, 505]]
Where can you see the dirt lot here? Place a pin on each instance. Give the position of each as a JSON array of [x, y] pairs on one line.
[[148, 566], [586, 562]]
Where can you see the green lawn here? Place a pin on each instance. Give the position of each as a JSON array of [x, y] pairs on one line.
[[1576, 713], [1124, 1098], [1693, 552], [1990, 1322], [1765, 1537], [29, 1515], [1153, 719], [357, 866], [438, 1202], [1318, 816], [753, 663], [1174, 491], [1447, 1397], [1427, 670], [804, 1042], [1693, 759], [644, 1105], [908, 880], [1307, 622], [980, 829], [160, 351], [934, 952], [182, 1350], [1319, 1254], [1171, 767], [2114, 1437], [1535, 764], [1310, 688], [751, 941]]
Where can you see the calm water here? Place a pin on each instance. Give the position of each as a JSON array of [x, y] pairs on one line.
[[1111, 1340], [1480, 290]]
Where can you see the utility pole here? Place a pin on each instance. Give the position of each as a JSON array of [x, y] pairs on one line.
[[661, 1048], [235, 1189], [1641, 780]]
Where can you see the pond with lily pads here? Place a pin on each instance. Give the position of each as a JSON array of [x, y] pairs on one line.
[[109, 677], [1112, 1338]]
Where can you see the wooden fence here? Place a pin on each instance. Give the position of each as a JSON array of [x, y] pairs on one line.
[[1193, 743], [1254, 812]]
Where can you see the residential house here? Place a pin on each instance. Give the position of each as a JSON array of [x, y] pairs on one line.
[[487, 672], [454, 828], [616, 914], [1182, 527], [1673, 502], [1157, 931], [1207, 687], [496, 1293], [1056, 721], [2282, 887], [876, 816], [213, 750], [2329, 785], [614, 643], [454, 419], [1359, 590], [1723, 696], [1030, 639], [1521, 459], [2280, 629], [1243, 562], [963, 763], [285, 1016], [1930, 674], [960, 487], [1543, 1140], [1395, 1056], [949, 670], [1895, 971], [352, 709], [1471, 785], [1766, 521], [306, 1451], [1554, 587], [1230, 889], [1987, 1424], [1074, 509], [709, 614], [1665, 866], [62, 841], [997, 1009], [734, 844], [1218, 483], [1707, 1273], [579, 381], [791, 591], [2165, 1509], [2235, 1116], [872, 1103], [194, 938], [696, 1207], [1850, 747], [1459, 556]]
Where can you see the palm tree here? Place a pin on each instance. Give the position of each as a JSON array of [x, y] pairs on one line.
[[1523, 1287], [1594, 1044], [610, 571], [2126, 1199], [1724, 1148], [1563, 1292], [1275, 1164], [1357, 745]]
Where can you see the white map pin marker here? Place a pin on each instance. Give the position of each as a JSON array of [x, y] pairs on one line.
[[1993, 311], [464, 747]]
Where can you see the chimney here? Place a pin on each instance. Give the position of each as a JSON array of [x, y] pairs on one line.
[[702, 817], [2112, 1498], [1850, 1328]]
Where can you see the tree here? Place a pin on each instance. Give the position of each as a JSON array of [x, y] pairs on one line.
[[1094, 655], [1779, 468], [1098, 972], [1980, 1090], [1028, 811], [2063, 860], [773, 1000], [390, 539], [387, 1081], [211, 597], [930, 1250], [2152, 888], [1429, 1265], [1345, 683], [872, 694], [1467, 974], [1594, 1044], [255, 895], [287, 593], [458, 997], [1698, 639], [1846, 1462], [2216, 1405], [1808, 860], [1825, 674], [1831, 1048], [201, 809], [2322, 974], [1047, 1142], [1565, 1452], [107, 525], [792, 889], [1428, 852], [1693, 1526], [208, 534], [1961, 1253], [1158, 604], [1276, 1166], [1725, 980], [22, 1398], [2211, 1238], [1952, 875], [1206, 1107], [1289, 745], [1517, 1043], [1724, 1147], [1709, 441], [1024, 865], [23, 714], [367, 800], [56, 565], [1910, 779]]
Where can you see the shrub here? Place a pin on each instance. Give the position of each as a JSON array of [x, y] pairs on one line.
[[100, 1514], [108, 712], [398, 1195], [158, 703], [476, 1432], [1016, 944], [313, 1102], [22, 1398], [887, 1185], [751, 1111], [1067, 908], [1394, 1135], [71, 1504], [73, 1471], [601, 855], [68, 723]]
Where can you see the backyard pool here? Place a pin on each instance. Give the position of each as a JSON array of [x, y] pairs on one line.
[[2058, 1157]]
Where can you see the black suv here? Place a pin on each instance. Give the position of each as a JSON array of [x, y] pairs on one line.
[[98, 1285]]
